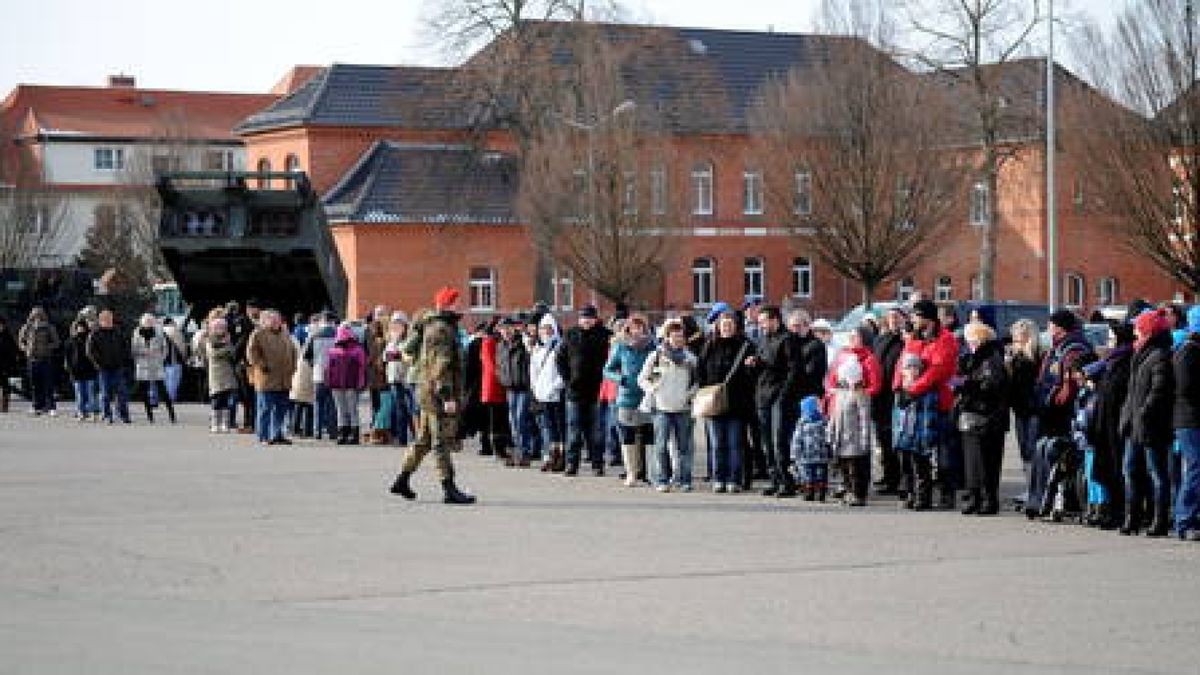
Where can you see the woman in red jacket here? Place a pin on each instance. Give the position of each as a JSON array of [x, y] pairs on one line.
[[854, 378], [494, 399]]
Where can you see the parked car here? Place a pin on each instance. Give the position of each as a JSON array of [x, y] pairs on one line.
[[854, 318]]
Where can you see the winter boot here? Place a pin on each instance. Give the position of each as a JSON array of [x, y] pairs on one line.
[[973, 503], [990, 505], [401, 486], [924, 484], [787, 487], [452, 495], [355, 436], [1133, 520], [1105, 519], [343, 436], [1161, 525]]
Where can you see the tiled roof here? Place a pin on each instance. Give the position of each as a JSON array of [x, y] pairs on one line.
[[369, 96], [120, 112], [439, 184], [295, 78], [700, 79]]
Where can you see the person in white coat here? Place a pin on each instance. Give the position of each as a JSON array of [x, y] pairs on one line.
[[547, 387], [149, 347], [669, 380]]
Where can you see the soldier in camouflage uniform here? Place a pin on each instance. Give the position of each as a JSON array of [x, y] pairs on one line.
[[434, 350]]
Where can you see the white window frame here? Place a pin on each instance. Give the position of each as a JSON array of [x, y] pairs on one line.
[[804, 198], [703, 182], [1079, 193], [563, 284], [629, 196], [704, 282], [482, 291], [752, 193], [905, 288], [290, 163], [980, 205], [658, 190], [1074, 290], [1108, 291], [802, 277], [943, 288], [754, 277], [108, 158]]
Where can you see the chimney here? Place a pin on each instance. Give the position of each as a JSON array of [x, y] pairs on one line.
[[122, 81]]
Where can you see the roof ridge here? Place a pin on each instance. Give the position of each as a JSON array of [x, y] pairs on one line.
[[708, 29], [322, 90], [141, 90]]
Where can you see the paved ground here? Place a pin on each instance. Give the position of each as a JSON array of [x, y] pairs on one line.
[[162, 550]]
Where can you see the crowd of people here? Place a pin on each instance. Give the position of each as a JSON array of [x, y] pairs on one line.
[[912, 404]]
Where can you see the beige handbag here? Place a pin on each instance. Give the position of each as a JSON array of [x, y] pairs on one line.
[[713, 400]]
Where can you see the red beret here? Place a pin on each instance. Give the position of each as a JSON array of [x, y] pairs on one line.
[[445, 297]]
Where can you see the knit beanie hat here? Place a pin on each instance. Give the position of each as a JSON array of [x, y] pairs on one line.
[[1152, 322], [810, 409], [926, 309], [1065, 319]]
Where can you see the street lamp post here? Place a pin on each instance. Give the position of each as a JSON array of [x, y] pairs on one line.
[[1051, 209]]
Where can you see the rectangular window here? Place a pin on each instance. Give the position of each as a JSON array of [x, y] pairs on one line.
[[165, 163], [943, 290], [702, 183], [629, 205], [1078, 197], [109, 159], [904, 289], [752, 193], [218, 160], [563, 282], [483, 289], [980, 204], [802, 278], [754, 274], [658, 191], [803, 206], [703, 288]]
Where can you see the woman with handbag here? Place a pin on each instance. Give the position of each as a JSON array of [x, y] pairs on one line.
[[725, 400], [624, 365], [981, 400]]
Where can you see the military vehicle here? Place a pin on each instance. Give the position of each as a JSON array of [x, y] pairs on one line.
[[228, 235]]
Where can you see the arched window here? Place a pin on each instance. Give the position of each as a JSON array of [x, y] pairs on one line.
[[904, 289], [802, 278], [264, 166], [291, 164], [704, 286], [702, 189], [1107, 291], [943, 289], [1074, 289], [754, 275]]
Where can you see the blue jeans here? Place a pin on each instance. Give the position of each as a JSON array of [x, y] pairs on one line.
[[518, 421], [174, 376], [113, 385], [1187, 500], [325, 412], [679, 466], [778, 422], [1097, 492], [41, 384], [271, 408], [85, 397], [552, 422], [726, 433], [1142, 459], [581, 425], [402, 417], [1026, 429]]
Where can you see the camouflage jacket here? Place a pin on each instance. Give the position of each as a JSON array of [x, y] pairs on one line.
[[438, 359]]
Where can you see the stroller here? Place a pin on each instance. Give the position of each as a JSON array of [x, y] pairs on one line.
[[1066, 484]]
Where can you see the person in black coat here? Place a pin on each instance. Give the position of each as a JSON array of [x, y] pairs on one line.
[[777, 397], [1146, 423], [474, 417], [1186, 421], [9, 360], [82, 371], [580, 362], [1112, 387], [512, 369], [726, 354], [889, 344], [981, 401]]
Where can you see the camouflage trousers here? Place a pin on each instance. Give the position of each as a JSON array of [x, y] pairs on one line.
[[438, 433]]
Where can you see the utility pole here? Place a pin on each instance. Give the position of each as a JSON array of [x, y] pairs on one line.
[[1051, 209]]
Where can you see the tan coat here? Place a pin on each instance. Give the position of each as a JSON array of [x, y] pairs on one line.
[[271, 355]]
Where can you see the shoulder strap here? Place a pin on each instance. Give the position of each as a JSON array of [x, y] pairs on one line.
[[737, 361]]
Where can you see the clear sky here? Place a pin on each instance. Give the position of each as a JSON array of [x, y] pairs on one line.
[[240, 45]]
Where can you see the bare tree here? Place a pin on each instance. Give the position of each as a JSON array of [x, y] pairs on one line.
[[594, 187], [856, 158], [968, 42], [1144, 160], [33, 218]]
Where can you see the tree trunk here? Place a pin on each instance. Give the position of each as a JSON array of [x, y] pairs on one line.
[[868, 293]]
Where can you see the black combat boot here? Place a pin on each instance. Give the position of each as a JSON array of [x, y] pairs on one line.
[[401, 486], [453, 495]]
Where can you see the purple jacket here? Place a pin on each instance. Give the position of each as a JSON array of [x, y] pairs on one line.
[[346, 367]]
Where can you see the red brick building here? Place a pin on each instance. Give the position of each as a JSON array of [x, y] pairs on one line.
[[385, 147]]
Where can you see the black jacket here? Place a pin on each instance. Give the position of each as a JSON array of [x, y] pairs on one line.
[[1146, 417], [1022, 381], [1187, 384], [9, 353], [580, 361], [716, 361], [888, 347], [1105, 432], [109, 349], [75, 358], [512, 364], [779, 369], [984, 387], [814, 361]]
